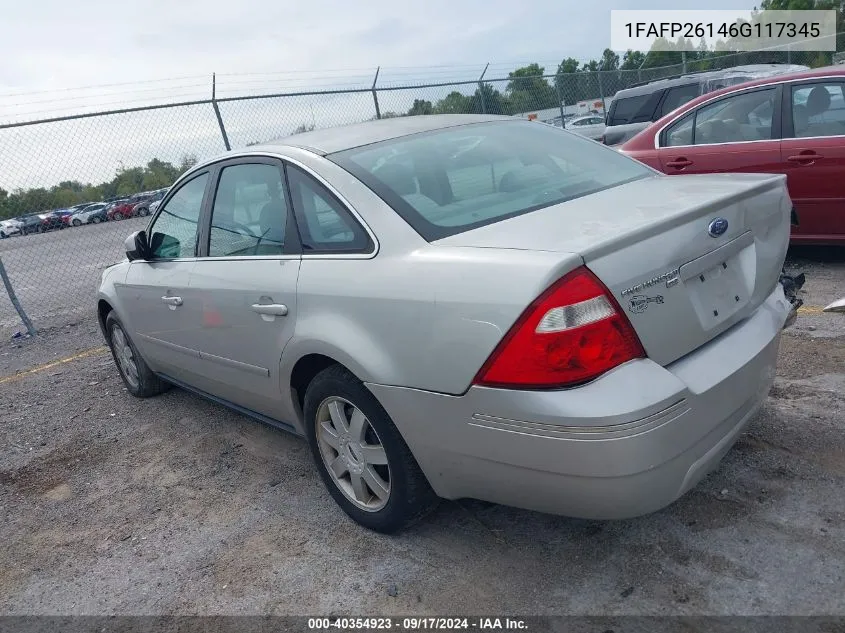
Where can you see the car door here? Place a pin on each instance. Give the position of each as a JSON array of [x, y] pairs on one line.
[[735, 133], [245, 283], [155, 298], [813, 157]]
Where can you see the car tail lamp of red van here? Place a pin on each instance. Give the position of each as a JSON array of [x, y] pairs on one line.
[[572, 333]]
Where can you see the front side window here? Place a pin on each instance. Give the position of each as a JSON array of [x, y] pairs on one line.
[[250, 212], [818, 110], [453, 180], [174, 231], [744, 117], [680, 132]]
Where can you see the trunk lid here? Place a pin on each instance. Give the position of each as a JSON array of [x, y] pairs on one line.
[[686, 257]]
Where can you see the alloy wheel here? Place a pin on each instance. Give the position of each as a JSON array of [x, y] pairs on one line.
[[125, 357], [353, 454]]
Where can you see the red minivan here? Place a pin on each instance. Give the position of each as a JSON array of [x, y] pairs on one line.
[[791, 124]]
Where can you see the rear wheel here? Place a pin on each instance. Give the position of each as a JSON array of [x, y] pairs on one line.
[[362, 458], [77, 222], [140, 381], [143, 211], [118, 216], [96, 219]]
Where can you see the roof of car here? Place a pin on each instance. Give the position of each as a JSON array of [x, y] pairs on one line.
[[697, 77], [330, 140]]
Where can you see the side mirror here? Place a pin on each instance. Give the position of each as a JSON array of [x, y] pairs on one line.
[[136, 246]]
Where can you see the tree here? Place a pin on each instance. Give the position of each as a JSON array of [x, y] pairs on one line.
[[528, 90], [632, 60], [156, 174], [453, 103], [566, 80], [421, 106], [487, 100], [609, 60]]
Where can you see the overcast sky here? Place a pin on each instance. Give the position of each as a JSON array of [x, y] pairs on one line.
[[59, 57]]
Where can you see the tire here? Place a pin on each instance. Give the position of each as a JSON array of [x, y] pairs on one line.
[[407, 496], [3, 236], [142, 383], [39, 229], [117, 216], [77, 222], [95, 219], [143, 211]]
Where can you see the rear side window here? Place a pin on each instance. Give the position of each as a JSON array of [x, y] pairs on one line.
[[325, 225], [638, 109], [450, 181]]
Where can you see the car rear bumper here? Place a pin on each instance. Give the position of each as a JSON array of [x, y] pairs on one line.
[[624, 445]]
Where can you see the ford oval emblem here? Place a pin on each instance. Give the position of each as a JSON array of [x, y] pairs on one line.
[[717, 227]]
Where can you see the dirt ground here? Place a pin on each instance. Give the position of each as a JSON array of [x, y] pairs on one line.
[[175, 505]]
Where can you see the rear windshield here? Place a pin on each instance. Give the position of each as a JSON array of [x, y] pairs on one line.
[[450, 181], [637, 109]]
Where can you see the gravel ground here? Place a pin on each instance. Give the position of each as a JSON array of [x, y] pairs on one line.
[[113, 505]]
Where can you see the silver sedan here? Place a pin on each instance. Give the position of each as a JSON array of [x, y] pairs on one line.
[[592, 126], [464, 306]]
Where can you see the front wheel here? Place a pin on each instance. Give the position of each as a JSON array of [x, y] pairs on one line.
[[118, 216], [95, 219], [77, 222], [140, 381], [362, 458]]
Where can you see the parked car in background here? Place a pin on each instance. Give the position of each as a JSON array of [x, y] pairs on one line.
[[791, 124], [634, 109], [435, 303], [154, 205], [51, 220], [143, 208], [131, 206], [30, 223], [118, 209], [92, 213], [592, 126], [8, 228]]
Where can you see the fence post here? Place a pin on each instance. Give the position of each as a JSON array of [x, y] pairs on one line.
[[375, 94], [14, 299], [601, 92], [481, 89], [217, 112], [560, 100]]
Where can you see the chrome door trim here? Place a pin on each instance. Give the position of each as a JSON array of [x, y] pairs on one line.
[[235, 364]]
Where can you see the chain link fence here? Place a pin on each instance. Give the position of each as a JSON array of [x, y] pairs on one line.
[[51, 258]]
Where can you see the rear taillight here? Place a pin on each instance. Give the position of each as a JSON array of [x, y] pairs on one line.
[[572, 333]]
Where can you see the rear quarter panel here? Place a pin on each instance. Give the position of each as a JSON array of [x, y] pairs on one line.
[[427, 319]]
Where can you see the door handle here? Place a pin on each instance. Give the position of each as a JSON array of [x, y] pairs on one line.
[[270, 309], [679, 163], [172, 301], [804, 159]]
